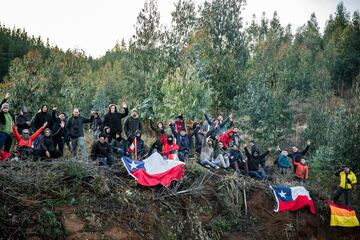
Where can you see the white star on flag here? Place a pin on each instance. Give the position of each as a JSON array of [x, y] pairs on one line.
[[133, 165], [282, 194]]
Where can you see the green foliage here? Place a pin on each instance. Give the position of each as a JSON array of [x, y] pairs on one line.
[[269, 112], [13, 44], [181, 92], [50, 224]]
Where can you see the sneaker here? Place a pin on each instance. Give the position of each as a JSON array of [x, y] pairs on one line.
[[217, 167]]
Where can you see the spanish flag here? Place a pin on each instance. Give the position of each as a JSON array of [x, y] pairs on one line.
[[342, 216]]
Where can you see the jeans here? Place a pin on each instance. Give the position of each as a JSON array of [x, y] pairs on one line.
[[283, 171], [222, 161], [109, 161], [259, 174], [81, 142], [207, 162], [96, 134], [183, 155], [59, 143], [347, 195], [5, 141]]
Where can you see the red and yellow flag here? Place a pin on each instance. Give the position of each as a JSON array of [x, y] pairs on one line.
[[342, 216]]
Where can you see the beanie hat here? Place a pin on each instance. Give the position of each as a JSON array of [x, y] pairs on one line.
[[5, 105]]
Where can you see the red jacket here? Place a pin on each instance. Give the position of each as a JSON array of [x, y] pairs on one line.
[[226, 139], [167, 148], [26, 143], [302, 171]]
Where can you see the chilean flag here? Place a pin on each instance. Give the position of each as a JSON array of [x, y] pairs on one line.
[[292, 198], [154, 170]]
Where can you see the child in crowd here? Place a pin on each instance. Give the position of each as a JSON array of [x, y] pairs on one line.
[[302, 170], [283, 162]]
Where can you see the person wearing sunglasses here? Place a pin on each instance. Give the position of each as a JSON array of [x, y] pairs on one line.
[[25, 141]]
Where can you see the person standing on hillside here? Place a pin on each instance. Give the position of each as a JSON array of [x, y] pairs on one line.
[[113, 120], [6, 120], [297, 155], [23, 119], [302, 170], [347, 181], [41, 117], [75, 127], [38, 121], [132, 124], [95, 125], [62, 135]]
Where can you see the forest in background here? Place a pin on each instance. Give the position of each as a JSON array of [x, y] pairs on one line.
[[270, 76]]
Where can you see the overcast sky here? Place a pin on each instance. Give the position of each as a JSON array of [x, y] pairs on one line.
[[95, 26]]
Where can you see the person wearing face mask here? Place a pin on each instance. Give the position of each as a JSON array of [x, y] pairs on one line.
[[47, 144], [132, 124], [75, 127], [113, 120], [6, 121], [25, 141], [170, 148]]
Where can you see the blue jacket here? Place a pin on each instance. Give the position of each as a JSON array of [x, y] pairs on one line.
[[184, 142], [283, 162]]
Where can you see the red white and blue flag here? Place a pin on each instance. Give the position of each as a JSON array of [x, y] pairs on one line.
[[154, 170], [132, 148], [292, 198]]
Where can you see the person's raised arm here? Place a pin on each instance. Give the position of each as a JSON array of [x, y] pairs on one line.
[[89, 120], [306, 149], [126, 110], [16, 133], [37, 133], [208, 119], [224, 122], [7, 96], [53, 114], [173, 130], [265, 153]]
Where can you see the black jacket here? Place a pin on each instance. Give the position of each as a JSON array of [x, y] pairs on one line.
[[113, 121], [236, 156], [100, 150], [131, 125], [96, 123], [21, 122], [39, 120], [299, 155], [184, 142], [47, 144], [254, 162], [75, 126], [2, 117]]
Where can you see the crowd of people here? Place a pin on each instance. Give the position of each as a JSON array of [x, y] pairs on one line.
[[215, 141]]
